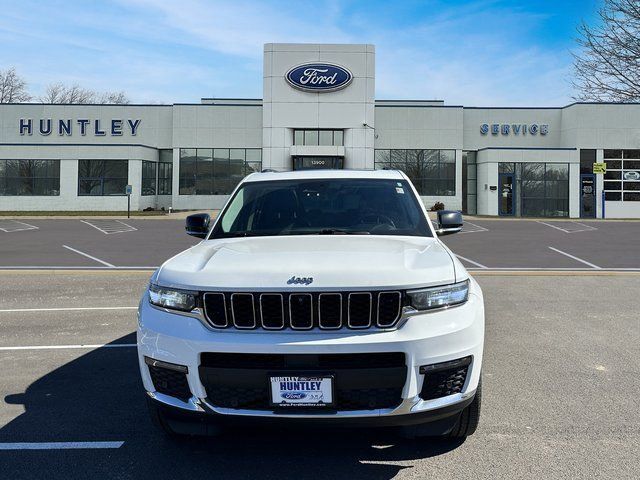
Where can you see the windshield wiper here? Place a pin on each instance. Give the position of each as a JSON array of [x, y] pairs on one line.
[[338, 231]]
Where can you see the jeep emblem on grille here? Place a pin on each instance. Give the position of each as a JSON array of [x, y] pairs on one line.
[[300, 280]]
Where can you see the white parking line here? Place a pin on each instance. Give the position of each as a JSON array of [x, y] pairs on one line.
[[470, 261], [62, 309], [109, 227], [586, 228], [478, 228], [68, 347], [577, 259], [10, 226], [89, 256], [59, 445]]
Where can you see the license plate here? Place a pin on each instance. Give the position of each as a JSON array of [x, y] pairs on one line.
[[302, 391]]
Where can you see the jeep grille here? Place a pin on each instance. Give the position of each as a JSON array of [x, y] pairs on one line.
[[303, 310]]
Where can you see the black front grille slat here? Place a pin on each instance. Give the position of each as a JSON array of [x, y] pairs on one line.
[[330, 310], [272, 311], [216, 309], [389, 307], [360, 310], [302, 310], [243, 310]]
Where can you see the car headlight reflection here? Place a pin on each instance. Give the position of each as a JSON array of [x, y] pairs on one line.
[[171, 298], [438, 297]]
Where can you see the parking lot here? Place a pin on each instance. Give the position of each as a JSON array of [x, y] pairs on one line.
[[561, 373], [560, 398], [483, 244]]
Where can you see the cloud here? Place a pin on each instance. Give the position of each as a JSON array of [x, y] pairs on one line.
[[483, 52]]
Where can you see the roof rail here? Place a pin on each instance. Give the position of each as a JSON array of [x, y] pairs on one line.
[[268, 170]]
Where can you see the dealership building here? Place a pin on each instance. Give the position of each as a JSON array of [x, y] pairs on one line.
[[319, 111]]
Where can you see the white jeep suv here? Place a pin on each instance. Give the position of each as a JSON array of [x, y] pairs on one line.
[[315, 296]]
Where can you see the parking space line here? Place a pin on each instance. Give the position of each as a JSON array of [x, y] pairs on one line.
[[89, 256], [471, 261], [68, 347], [6, 226], [577, 259], [587, 228], [479, 228], [62, 309], [59, 445], [109, 227]]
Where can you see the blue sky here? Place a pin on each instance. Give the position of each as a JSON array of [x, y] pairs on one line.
[[475, 52]]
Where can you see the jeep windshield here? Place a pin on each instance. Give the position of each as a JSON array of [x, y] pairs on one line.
[[340, 206]]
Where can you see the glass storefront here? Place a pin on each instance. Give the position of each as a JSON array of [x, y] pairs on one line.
[[432, 172], [216, 171], [29, 177], [538, 189]]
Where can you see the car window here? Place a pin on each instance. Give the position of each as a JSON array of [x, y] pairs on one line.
[[323, 206]]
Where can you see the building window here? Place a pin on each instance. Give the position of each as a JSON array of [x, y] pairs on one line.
[[318, 137], [103, 177], [148, 178], [433, 172], [542, 189], [587, 159], [469, 183], [622, 180], [30, 177], [216, 171]]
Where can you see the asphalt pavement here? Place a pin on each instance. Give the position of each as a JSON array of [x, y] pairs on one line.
[[560, 393], [514, 244]]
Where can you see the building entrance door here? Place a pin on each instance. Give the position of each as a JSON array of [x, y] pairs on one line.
[[587, 195], [506, 192]]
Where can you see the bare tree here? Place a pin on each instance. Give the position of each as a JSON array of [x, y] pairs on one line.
[[13, 89], [75, 94], [608, 66]]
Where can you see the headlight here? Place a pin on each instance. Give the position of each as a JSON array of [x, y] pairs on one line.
[[172, 298], [438, 297]]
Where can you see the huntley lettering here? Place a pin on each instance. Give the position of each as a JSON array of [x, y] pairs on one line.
[[66, 127]]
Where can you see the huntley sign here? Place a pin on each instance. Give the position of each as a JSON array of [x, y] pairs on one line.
[[67, 127]]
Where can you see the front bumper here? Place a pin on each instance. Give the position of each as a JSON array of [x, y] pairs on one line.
[[425, 339]]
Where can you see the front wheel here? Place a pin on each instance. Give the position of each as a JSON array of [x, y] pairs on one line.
[[159, 420], [469, 418]]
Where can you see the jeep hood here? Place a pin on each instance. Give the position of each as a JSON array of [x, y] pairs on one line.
[[333, 261]]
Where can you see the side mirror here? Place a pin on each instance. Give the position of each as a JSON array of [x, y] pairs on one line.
[[449, 222], [198, 225]]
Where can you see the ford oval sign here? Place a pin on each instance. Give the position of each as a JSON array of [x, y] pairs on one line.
[[319, 77], [293, 395]]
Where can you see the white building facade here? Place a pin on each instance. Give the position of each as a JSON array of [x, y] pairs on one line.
[[319, 111]]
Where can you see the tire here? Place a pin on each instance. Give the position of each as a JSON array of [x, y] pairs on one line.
[[158, 419], [469, 418]]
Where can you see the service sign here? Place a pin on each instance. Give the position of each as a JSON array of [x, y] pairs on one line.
[[319, 77]]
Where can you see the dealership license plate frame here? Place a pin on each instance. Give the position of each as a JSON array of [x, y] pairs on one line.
[[306, 375]]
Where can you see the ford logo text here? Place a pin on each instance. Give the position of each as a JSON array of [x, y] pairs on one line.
[[293, 395], [319, 77]]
